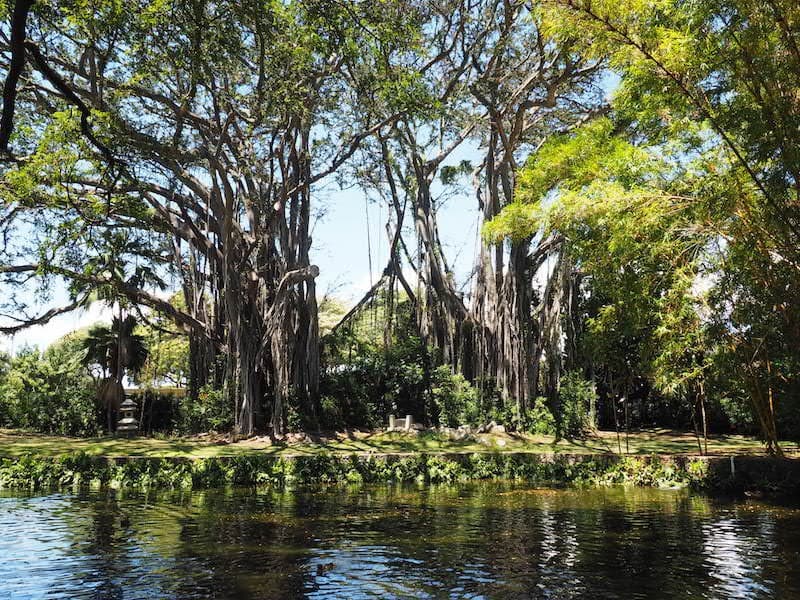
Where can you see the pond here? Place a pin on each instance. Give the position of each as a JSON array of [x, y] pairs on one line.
[[475, 540]]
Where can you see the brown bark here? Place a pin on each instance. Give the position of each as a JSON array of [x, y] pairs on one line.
[[19, 19]]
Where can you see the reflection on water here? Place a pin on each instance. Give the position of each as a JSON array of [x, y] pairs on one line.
[[481, 540]]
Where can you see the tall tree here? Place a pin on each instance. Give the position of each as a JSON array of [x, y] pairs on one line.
[[532, 84], [219, 124], [722, 73]]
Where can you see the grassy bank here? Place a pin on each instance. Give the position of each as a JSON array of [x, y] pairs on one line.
[[658, 441], [658, 458]]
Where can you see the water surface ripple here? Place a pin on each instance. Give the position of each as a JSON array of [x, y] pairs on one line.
[[468, 541]]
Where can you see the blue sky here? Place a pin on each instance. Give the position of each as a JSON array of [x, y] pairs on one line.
[[340, 237]]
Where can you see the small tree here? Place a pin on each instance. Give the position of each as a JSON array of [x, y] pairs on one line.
[[115, 350]]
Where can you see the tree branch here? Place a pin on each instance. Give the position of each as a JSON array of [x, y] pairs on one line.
[[19, 21]]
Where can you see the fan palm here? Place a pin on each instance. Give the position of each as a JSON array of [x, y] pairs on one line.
[[116, 350]]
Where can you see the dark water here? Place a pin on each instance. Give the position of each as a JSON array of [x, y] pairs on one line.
[[469, 541]]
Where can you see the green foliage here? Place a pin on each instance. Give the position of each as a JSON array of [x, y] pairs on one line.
[[310, 79], [49, 392], [80, 470], [629, 231], [296, 420], [589, 163], [505, 413], [454, 398], [677, 210], [167, 358], [576, 396], [737, 413], [332, 417], [540, 419], [330, 312], [364, 391], [116, 348], [715, 81], [374, 383], [656, 472], [364, 381], [210, 412]]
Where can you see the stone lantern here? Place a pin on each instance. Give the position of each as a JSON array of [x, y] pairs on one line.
[[127, 423]]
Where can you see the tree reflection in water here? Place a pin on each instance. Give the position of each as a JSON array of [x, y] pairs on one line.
[[490, 540]]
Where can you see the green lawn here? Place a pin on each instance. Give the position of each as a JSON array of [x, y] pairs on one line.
[[16, 443]]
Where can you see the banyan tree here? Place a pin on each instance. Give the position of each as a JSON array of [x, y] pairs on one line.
[[200, 129], [501, 88]]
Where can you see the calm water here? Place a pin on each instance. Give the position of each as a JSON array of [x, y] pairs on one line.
[[483, 540]]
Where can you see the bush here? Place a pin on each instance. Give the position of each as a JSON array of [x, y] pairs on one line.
[[737, 414], [576, 397], [331, 416], [347, 396], [540, 418], [210, 412], [49, 393], [363, 391], [504, 413], [366, 390], [81, 470], [454, 399]]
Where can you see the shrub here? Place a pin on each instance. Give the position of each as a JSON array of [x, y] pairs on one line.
[[347, 395], [504, 413], [210, 412], [49, 392], [540, 418], [576, 397], [363, 391], [331, 414], [738, 414], [454, 398], [82, 470]]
